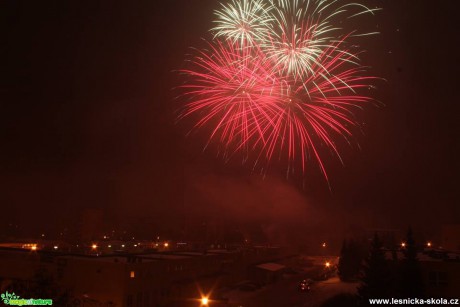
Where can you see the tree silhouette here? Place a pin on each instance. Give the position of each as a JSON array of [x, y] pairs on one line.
[[344, 267], [42, 286], [410, 279], [350, 260], [376, 281]]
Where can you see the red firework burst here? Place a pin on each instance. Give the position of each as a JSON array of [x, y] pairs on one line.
[[313, 112], [249, 105], [233, 90]]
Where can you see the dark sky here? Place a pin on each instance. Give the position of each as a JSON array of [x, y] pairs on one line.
[[87, 122]]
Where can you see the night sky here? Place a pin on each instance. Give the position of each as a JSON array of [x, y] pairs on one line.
[[87, 122]]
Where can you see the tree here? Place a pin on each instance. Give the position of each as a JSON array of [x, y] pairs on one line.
[[43, 286], [410, 279], [376, 281], [344, 267], [350, 260]]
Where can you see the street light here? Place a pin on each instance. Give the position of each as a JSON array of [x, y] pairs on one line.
[[327, 264], [204, 301]]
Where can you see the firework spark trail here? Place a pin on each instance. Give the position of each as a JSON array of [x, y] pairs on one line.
[[233, 88], [243, 21], [312, 112], [297, 39], [279, 78]]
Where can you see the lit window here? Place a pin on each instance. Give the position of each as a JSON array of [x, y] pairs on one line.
[[132, 274]]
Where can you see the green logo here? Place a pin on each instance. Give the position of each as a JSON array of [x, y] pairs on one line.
[[15, 300]]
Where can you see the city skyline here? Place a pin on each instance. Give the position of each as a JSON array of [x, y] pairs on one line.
[[88, 122]]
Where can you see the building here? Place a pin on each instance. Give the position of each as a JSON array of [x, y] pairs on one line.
[[441, 276], [450, 237], [440, 271], [133, 280]]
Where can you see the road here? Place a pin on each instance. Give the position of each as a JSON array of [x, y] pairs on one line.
[[285, 293]]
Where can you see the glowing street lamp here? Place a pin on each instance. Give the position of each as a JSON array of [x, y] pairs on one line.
[[428, 244], [204, 301], [324, 244], [327, 264], [94, 247], [403, 244]]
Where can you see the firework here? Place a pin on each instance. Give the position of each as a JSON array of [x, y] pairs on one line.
[[316, 111], [233, 90], [278, 79], [245, 21], [302, 30]]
